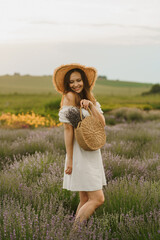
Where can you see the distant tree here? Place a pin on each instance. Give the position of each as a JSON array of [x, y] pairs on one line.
[[155, 89], [17, 74], [102, 77]]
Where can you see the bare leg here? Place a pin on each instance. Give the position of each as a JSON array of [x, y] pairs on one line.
[[79, 206], [83, 199], [95, 199]]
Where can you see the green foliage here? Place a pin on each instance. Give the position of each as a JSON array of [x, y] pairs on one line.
[[52, 105], [102, 77], [154, 89], [51, 108], [25, 93]]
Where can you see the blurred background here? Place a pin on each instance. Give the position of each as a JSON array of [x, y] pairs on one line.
[[120, 38]]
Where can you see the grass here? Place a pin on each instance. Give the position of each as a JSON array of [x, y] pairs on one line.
[[27, 84], [44, 104], [25, 93]]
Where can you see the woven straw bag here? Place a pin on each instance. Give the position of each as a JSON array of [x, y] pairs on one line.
[[90, 133]]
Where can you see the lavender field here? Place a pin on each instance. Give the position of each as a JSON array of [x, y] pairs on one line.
[[34, 205]]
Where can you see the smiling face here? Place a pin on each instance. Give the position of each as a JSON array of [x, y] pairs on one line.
[[76, 82]]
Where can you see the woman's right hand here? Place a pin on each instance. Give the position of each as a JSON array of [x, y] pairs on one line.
[[68, 167]]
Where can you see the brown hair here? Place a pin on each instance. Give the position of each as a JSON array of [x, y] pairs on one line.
[[85, 94]]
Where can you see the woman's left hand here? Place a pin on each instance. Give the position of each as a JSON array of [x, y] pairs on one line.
[[85, 103]]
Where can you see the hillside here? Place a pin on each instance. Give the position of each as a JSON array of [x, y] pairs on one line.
[[43, 84]]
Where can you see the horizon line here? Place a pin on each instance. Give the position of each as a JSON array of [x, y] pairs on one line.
[[102, 76]]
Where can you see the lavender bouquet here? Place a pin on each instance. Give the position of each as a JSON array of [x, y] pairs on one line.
[[73, 115]]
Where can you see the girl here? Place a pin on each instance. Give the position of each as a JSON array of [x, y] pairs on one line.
[[84, 171]]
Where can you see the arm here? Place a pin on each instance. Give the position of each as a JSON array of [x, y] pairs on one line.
[[69, 100], [68, 138]]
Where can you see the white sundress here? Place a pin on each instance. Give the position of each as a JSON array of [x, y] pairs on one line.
[[87, 170]]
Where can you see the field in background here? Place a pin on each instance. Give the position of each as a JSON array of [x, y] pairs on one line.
[[43, 85], [24, 93]]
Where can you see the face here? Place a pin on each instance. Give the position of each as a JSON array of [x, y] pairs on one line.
[[76, 82]]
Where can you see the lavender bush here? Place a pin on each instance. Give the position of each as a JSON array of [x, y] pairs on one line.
[[34, 205]]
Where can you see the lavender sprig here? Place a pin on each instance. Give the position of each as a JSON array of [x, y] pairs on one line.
[[73, 115]]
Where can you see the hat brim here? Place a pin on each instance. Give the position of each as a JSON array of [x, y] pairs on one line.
[[60, 72]]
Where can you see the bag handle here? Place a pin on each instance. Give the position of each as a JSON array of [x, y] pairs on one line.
[[81, 112]]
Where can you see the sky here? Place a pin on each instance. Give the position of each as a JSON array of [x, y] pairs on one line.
[[121, 38]]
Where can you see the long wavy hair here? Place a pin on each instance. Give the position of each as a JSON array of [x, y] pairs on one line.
[[86, 92]]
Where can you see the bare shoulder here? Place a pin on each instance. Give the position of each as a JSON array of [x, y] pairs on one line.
[[69, 99]]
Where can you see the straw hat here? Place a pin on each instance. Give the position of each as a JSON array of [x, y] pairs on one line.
[[60, 72]]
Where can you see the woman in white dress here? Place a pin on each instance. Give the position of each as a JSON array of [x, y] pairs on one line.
[[84, 171]]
